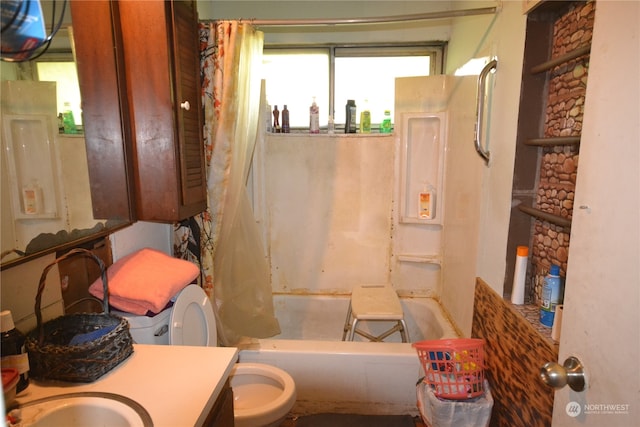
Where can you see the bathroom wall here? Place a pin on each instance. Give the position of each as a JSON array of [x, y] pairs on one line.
[[19, 288], [503, 37], [327, 217]]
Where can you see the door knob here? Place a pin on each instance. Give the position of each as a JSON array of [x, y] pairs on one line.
[[571, 372], [185, 105]]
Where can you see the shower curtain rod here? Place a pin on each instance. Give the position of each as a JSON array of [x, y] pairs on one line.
[[373, 20]]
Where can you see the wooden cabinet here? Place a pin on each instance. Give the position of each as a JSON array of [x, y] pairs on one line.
[[107, 130], [161, 44]]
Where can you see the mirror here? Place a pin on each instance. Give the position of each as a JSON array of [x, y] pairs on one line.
[[48, 201]]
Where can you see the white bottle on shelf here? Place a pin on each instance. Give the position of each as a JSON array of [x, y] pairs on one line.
[[517, 291], [32, 198], [426, 202]]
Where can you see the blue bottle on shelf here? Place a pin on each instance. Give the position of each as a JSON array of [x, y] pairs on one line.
[[552, 291]]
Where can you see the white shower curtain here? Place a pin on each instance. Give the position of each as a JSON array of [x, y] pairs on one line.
[[235, 271]]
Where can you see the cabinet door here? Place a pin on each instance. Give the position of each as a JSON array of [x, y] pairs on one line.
[[163, 78], [104, 107]]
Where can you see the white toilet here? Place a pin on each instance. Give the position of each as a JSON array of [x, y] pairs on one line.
[[263, 394]]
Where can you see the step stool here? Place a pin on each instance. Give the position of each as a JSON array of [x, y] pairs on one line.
[[374, 303]]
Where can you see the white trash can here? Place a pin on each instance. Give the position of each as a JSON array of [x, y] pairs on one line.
[[436, 412]]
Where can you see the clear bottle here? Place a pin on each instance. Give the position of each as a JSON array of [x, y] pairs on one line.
[[365, 118], [331, 126], [385, 126], [552, 291], [14, 354], [285, 119], [68, 122], [268, 126], [314, 117], [350, 123]]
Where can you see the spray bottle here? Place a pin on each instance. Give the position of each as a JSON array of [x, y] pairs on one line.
[[314, 117]]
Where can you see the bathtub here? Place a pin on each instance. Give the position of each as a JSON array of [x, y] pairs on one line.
[[349, 377]]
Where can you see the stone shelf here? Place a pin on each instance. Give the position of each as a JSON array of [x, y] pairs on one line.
[[553, 141], [545, 216], [545, 66], [531, 314]]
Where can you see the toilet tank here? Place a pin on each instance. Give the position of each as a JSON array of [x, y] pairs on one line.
[[147, 329]]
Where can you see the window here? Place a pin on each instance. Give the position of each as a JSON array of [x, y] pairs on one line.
[[67, 88], [335, 74], [293, 77]]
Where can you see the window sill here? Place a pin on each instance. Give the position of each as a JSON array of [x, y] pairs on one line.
[[335, 134]]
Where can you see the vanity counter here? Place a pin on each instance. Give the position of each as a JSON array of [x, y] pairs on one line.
[[177, 385]]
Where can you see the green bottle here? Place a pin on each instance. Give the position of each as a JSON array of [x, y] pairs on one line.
[[68, 122], [385, 127]]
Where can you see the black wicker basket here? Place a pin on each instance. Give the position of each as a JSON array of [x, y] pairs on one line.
[[57, 353]]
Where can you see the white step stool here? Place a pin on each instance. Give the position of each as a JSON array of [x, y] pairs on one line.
[[374, 303]]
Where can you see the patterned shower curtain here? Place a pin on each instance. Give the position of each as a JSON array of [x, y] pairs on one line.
[[225, 240]]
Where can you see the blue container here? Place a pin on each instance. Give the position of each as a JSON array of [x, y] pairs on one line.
[[552, 291]]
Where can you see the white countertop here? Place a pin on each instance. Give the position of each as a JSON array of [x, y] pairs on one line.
[[177, 385]]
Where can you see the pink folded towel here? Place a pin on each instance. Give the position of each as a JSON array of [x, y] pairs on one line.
[[145, 281]]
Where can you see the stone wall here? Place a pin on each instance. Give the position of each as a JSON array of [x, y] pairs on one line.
[[567, 84]]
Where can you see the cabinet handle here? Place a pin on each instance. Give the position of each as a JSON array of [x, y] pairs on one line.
[[185, 105]]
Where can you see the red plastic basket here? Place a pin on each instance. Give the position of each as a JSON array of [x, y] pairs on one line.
[[454, 368]]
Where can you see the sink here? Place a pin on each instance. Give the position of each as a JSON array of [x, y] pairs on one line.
[[83, 409]]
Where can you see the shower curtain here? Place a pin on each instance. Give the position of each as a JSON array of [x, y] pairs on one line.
[[225, 239]]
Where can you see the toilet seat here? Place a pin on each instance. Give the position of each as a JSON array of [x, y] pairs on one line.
[[192, 321]]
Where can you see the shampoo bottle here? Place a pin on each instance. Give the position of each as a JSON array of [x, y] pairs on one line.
[[314, 117], [32, 198], [285, 119], [519, 275], [276, 119], [365, 119], [68, 122], [350, 123], [385, 126], [552, 291], [426, 203]]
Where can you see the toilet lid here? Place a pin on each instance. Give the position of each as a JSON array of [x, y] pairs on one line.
[[192, 321]]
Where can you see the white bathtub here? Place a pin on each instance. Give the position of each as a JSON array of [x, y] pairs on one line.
[[356, 377]]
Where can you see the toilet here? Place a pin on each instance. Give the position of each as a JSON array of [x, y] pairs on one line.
[[263, 394]]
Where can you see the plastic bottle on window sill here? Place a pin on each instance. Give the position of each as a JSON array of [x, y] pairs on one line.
[[385, 126], [285, 119], [314, 117], [350, 123], [68, 122], [276, 120], [365, 118]]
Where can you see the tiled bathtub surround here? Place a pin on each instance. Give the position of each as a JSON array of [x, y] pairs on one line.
[[514, 353]]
